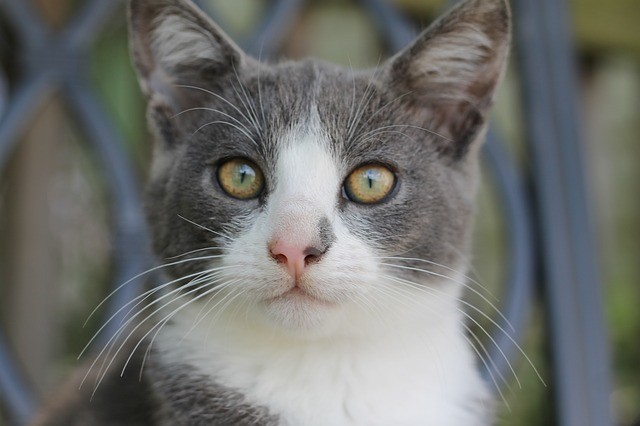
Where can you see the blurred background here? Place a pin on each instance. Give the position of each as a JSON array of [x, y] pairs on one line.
[[56, 243]]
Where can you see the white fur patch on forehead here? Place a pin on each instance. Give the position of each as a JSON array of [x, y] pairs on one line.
[[306, 172]]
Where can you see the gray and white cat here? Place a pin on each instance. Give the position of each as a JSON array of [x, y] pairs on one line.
[[317, 219]]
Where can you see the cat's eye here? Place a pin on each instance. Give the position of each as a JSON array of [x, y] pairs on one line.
[[240, 178], [369, 184]]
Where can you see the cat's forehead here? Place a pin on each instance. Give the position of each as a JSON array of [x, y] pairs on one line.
[[315, 77], [290, 90], [344, 103], [272, 103]]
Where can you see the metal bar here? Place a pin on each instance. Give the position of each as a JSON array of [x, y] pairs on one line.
[[397, 31], [265, 41], [580, 401], [563, 321], [4, 92], [131, 242], [25, 21], [88, 22], [519, 278], [588, 290], [20, 110], [14, 391], [16, 394]]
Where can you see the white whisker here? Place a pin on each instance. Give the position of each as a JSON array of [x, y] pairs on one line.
[[223, 307], [238, 122], [217, 96], [488, 318], [364, 101], [177, 256], [205, 228], [260, 104], [469, 288], [244, 132], [112, 340], [385, 106], [163, 323], [148, 332], [435, 292], [248, 106], [110, 343], [493, 379], [493, 367], [142, 296], [383, 129], [155, 268], [448, 268]]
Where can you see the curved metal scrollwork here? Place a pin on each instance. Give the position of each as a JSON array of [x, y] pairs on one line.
[[54, 63]]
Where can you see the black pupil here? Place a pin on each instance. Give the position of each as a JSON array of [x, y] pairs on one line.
[[370, 178], [244, 171]]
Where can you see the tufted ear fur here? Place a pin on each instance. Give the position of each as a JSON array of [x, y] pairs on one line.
[[176, 48], [450, 72], [175, 44]]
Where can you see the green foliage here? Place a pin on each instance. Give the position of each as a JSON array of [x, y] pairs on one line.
[[114, 77], [607, 26]]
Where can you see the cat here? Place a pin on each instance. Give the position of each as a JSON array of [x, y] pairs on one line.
[[314, 222]]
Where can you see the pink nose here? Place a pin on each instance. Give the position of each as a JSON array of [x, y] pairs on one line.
[[294, 258]]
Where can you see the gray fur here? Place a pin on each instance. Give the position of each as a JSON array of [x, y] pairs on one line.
[[187, 398], [163, 395], [325, 232], [432, 105]]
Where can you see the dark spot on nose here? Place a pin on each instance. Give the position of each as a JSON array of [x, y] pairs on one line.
[[325, 232]]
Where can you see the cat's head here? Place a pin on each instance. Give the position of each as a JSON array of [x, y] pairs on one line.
[[307, 191]]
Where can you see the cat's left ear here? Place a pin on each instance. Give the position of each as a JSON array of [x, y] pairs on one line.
[[174, 44], [447, 77]]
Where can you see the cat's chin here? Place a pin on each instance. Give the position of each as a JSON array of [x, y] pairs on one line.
[[297, 311]]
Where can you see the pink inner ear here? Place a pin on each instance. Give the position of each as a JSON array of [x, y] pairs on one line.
[[452, 69]]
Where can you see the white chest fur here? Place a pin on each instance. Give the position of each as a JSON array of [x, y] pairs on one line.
[[413, 371]]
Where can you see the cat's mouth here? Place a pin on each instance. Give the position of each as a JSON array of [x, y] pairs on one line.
[[299, 295]]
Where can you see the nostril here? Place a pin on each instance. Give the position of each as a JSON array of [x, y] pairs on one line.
[[280, 258], [310, 259], [312, 254]]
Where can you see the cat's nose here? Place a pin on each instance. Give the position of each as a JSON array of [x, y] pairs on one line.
[[295, 258]]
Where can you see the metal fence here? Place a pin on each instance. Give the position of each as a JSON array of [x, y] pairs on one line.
[[559, 254]]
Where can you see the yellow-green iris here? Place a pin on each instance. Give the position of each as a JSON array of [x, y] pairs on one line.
[[240, 178], [369, 184]]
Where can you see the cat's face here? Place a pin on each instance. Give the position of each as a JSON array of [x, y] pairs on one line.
[[314, 191]]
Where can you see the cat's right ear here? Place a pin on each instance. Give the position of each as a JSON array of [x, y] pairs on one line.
[[174, 45], [448, 76]]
